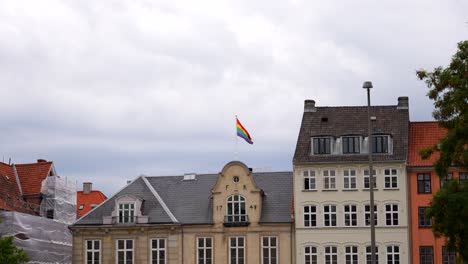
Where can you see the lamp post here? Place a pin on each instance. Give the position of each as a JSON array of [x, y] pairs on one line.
[[368, 86]]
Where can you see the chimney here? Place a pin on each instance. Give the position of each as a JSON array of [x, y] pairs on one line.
[[87, 187], [403, 102], [309, 106], [41, 160]]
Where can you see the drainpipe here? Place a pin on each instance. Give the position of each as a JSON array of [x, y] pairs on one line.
[[291, 239], [182, 228]]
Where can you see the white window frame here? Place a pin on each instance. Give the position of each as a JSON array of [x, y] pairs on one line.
[[366, 176], [348, 212], [158, 249], [392, 254], [240, 216], [93, 250], [309, 176], [204, 248], [131, 212], [369, 255], [392, 213], [329, 179], [393, 178], [368, 212], [237, 247], [269, 247], [349, 178], [310, 214], [330, 215], [125, 250], [311, 254], [351, 254], [331, 254]]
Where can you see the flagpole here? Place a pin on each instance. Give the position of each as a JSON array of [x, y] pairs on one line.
[[236, 150]]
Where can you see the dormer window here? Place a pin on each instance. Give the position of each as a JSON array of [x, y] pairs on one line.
[[380, 143], [321, 145], [127, 210], [351, 145], [126, 213]]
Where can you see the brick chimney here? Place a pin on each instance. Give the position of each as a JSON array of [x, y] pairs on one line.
[[403, 102], [309, 106], [87, 187]]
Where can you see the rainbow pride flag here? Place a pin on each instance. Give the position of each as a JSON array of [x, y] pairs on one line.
[[242, 132]]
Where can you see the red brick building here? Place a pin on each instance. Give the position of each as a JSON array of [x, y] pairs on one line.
[[423, 184], [88, 199], [20, 185]]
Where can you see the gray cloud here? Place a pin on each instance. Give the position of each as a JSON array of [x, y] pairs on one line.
[[113, 89]]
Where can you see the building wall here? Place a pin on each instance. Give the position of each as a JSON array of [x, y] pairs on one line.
[[341, 235], [176, 236], [423, 236]]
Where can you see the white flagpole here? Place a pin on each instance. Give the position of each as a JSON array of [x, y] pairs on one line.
[[236, 150]]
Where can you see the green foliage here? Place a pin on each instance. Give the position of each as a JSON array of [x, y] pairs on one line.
[[449, 211], [448, 87], [9, 253]]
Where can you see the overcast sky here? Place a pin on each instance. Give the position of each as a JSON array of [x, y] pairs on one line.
[[110, 90]]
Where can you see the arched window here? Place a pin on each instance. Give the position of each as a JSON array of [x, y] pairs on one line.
[[236, 209]]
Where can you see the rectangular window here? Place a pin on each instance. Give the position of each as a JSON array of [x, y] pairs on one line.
[[391, 178], [329, 180], [393, 254], [446, 179], [379, 144], [126, 213], [426, 255], [125, 251], [351, 255], [331, 255], [93, 251], [369, 255], [350, 215], [205, 250], [463, 178], [269, 250], [310, 255], [391, 214], [423, 220], [322, 145], [424, 183], [367, 179], [237, 250], [351, 145], [310, 216], [448, 257], [349, 179], [158, 251], [309, 180], [367, 214], [329, 213]]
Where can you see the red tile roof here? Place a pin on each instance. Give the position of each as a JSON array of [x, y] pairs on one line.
[[31, 176], [422, 135], [94, 197]]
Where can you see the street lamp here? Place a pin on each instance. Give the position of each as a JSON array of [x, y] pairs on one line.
[[368, 86]]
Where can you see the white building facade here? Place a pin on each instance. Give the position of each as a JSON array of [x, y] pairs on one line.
[[331, 184]]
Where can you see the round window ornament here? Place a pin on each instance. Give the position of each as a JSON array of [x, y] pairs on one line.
[[235, 179]]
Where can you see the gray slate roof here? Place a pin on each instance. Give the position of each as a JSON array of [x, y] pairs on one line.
[[191, 203], [352, 120]]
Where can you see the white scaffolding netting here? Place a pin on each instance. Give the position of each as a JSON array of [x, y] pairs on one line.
[[46, 241], [58, 199]]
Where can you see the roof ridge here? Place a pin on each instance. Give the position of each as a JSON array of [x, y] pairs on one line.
[[357, 106], [160, 200], [35, 163]]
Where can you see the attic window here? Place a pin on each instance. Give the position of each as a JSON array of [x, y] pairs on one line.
[[81, 206], [324, 119], [321, 145], [93, 206], [235, 179], [189, 177]]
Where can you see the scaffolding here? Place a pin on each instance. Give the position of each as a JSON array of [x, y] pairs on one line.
[[58, 199], [45, 241]]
